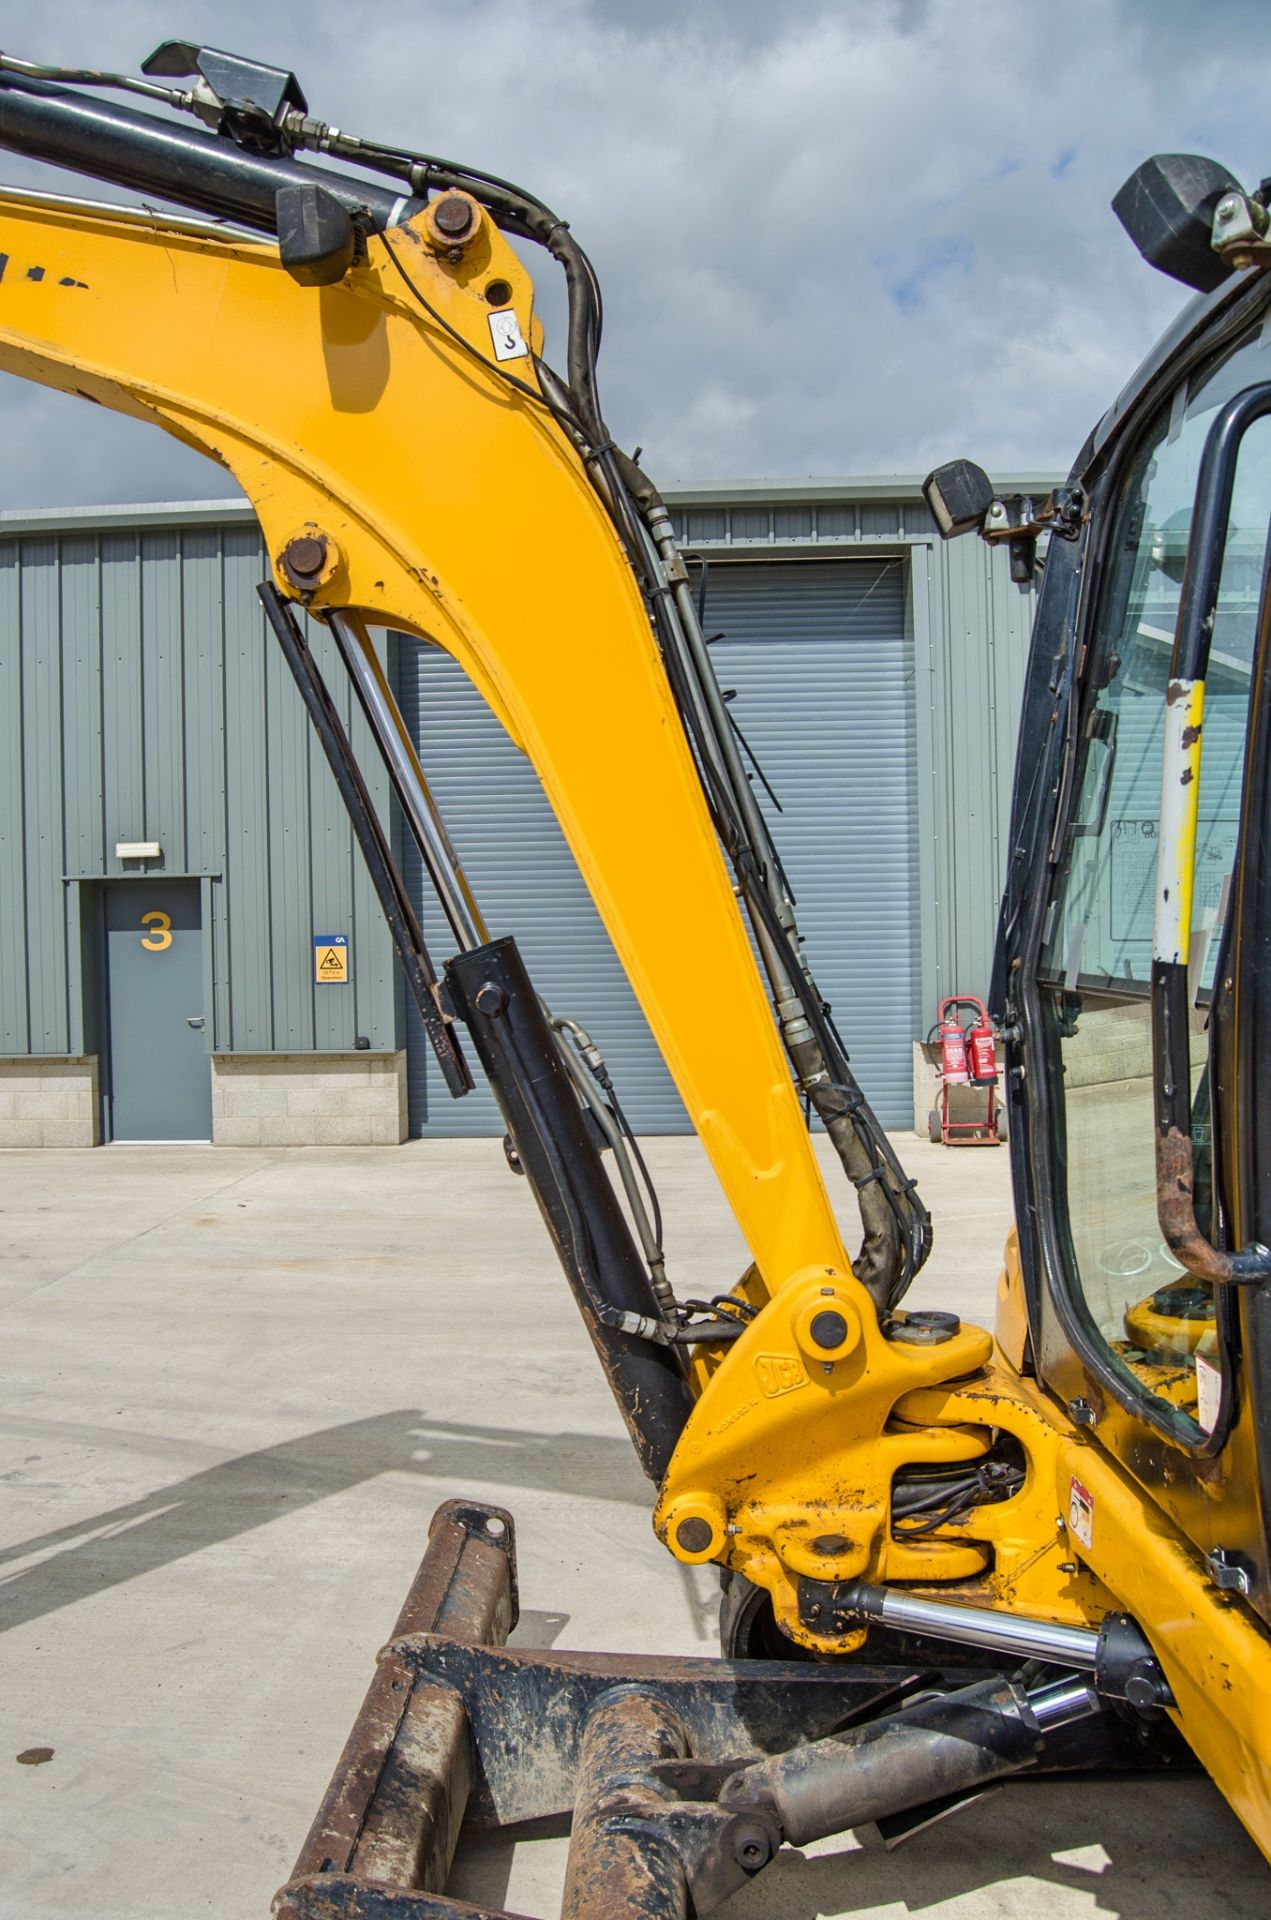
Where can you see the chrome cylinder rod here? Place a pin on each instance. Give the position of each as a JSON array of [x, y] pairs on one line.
[[1066, 1701], [973, 1626], [423, 820]]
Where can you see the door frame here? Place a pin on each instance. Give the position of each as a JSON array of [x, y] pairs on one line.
[[87, 984]]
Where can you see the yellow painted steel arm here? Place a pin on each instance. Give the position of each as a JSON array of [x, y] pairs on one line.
[[457, 510], [460, 513]]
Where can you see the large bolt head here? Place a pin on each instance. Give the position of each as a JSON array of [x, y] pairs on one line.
[[452, 215], [828, 1328], [694, 1534], [305, 556]]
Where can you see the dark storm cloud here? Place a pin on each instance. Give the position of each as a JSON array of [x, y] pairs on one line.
[[846, 238]]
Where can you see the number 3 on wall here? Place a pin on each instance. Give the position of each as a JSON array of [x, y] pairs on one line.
[[160, 935]]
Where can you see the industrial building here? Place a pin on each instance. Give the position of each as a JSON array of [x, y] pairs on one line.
[[191, 950]]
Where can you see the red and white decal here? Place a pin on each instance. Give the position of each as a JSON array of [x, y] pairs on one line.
[[1080, 1512]]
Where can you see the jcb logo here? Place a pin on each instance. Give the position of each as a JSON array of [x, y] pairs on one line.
[[779, 1373]]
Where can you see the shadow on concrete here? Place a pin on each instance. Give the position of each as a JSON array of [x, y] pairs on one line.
[[236, 1496], [1170, 1849]]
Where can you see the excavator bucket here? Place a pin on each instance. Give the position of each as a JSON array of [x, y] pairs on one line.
[[683, 1776]]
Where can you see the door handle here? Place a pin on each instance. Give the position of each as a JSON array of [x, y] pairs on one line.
[[194, 1020]]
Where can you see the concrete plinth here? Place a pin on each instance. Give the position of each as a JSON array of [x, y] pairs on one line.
[[49, 1101], [308, 1099]]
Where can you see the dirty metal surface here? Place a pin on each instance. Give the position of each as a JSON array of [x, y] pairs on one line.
[[396, 1800], [527, 1710], [455, 1722], [618, 1862], [635, 1749], [338, 1897]]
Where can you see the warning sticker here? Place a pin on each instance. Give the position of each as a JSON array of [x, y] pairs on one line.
[[1080, 1512], [1208, 1393], [505, 331], [331, 959]]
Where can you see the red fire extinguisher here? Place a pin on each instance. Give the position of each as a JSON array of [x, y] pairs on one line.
[[967, 1058], [953, 1054], [982, 1052]]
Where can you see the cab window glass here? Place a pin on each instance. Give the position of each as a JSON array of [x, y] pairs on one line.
[[1096, 969]]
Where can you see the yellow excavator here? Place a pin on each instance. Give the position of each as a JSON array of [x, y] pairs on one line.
[[948, 1556]]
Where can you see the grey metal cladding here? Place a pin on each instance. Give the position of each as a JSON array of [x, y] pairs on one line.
[[818, 655], [15, 1027], [823, 670], [141, 699], [526, 883], [979, 647]]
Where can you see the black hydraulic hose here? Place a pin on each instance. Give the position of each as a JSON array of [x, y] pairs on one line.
[[201, 170], [655, 1204], [839, 1099]]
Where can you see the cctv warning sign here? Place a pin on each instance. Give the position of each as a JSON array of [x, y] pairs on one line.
[[331, 959]]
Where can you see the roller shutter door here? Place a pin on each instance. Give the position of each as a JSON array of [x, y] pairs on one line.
[[823, 673]]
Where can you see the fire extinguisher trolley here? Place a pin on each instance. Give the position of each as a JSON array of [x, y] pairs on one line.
[[967, 1058]]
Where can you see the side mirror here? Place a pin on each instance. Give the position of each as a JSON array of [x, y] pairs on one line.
[[1167, 207], [959, 495]]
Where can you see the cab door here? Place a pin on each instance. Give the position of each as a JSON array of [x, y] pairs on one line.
[[1155, 1362]]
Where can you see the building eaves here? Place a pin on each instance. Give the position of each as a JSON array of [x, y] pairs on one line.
[[682, 493]]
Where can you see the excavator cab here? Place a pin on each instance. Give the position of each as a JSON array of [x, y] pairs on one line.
[[1131, 965]]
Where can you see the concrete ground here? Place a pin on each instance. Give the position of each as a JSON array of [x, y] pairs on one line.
[[237, 1383]]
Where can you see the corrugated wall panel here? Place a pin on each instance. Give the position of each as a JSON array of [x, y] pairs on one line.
[[526, 882], [121, 695], [15, 1031], [248, 1021], [163, 695], [220, 771], [83, 788], [982, 629], [42, 780], [144, 699], [81, 702], [288, 815], [202, 630], [822, 670]]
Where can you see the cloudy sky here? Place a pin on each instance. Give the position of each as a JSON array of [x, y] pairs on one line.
[[841, 238]]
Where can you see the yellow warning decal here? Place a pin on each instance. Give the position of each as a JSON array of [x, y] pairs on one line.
[[331, 959]]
